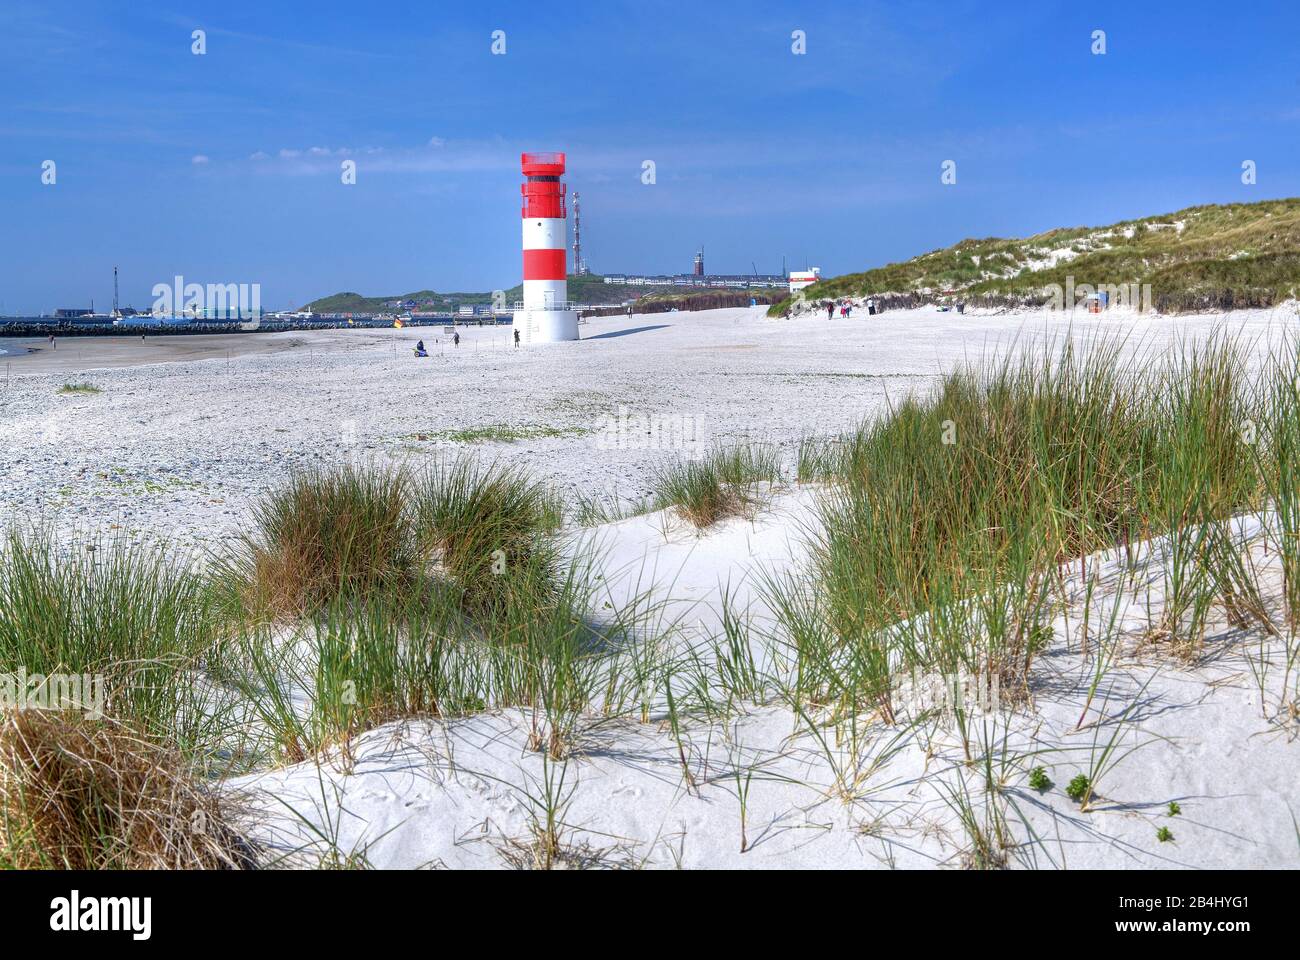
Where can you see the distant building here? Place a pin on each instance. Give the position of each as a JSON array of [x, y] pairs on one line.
[[804, 278], [738, 281], [68, 313], [699, 263]]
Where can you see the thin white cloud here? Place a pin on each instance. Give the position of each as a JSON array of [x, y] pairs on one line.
[[198, 160]]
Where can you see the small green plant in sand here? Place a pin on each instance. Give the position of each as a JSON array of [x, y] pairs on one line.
[[1077, 788], [498, 433], [597, 509], [1174, 808], [79, 388], [1165, 835], [1039, 780]]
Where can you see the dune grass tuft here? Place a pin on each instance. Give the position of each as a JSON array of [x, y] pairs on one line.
[[94, 794], [360, 531], [485, 528], [726, 482], [486, 613], [136, 621], [329, 532]]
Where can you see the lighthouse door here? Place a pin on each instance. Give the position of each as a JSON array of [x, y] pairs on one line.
[[548, 299]]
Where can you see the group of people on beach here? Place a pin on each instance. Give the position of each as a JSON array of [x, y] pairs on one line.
[[420, 350], [846, 308]]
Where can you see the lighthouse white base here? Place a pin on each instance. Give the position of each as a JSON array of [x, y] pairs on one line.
[[546, 326]]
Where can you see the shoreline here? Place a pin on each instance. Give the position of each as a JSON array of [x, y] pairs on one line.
[[78, 354]]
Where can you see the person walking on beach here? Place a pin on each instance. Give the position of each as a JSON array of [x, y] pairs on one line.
[[516, 339], [455, 338], [830, 309]]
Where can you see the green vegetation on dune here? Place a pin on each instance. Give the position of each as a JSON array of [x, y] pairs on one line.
[[1205, 257], [349, 302], [499, 433], [724, 483], [589, 289], [950, 520]]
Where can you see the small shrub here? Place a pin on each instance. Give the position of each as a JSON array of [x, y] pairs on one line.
[[1174, 808], [1039, 780], [1078, 788], [1165, 835]]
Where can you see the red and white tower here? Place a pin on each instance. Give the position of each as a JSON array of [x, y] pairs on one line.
[[545, 314]]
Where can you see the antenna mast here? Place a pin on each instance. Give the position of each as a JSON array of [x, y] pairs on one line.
[[578, 267], [115, 291]]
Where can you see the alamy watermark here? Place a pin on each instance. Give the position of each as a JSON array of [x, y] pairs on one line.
[[213, 301], [1106, 295], [948, 694], [75, 913], [642, 431], [54, 691]]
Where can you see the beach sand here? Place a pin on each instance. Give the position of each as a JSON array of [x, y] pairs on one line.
[[182, 447], [767, 790], [181, 439], [71, 355]]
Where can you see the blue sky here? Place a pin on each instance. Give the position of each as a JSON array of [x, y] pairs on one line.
[[226, 167]]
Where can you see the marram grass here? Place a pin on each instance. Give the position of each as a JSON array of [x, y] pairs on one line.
[[724, 482], [949, 520]]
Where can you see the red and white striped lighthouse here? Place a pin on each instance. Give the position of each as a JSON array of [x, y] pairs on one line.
[[545, 313]]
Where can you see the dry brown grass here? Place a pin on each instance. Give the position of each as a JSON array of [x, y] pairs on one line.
[[330, 532], [92, 794]]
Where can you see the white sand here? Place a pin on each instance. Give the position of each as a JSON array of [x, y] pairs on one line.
[[182, 450], [461, 794]]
